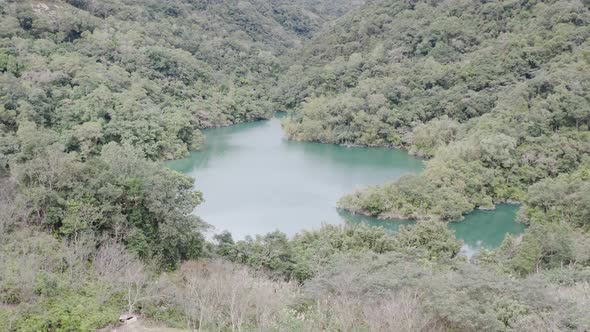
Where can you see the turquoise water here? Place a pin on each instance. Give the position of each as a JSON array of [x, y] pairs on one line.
[[480, 229], [254, 181]]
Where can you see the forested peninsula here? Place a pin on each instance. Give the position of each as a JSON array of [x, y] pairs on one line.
[[96, 95]]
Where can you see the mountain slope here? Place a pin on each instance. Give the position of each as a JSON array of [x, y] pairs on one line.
[[147, 73], [95, 93], [496, 91]]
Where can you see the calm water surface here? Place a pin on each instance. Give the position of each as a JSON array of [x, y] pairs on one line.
[[254, 181]]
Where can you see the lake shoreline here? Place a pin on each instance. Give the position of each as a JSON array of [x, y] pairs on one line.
[[256, 181]]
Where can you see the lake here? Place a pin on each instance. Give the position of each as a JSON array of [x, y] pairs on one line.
[[254, 181]]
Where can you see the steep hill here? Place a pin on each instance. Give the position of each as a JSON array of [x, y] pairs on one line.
[[496, 91], [148, 73]]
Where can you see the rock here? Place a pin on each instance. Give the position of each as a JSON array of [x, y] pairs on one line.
[[127, 319]]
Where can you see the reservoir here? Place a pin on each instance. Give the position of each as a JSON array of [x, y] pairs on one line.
[[254, 181]]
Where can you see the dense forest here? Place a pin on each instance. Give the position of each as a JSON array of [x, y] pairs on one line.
[[94, 95], [148, 74], [495, 92]]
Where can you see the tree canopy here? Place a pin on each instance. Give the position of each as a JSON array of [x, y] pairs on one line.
[[496, 93], [96, 94]]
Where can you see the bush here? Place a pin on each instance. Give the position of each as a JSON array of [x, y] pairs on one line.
[[68, 312]]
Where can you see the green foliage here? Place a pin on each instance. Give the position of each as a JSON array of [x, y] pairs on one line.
[[422, 196], [6, 317], [426, 138], [9, 63], [561, 199], [542, 247], [496, 93], [270, 252], [314, 249], [301, 257], [148, 74], [80, 312], [527, 257], [434, 237], [118, 194], [49, 285], [94, 93]]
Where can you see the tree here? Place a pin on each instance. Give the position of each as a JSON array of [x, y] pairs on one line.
[[434, 237]]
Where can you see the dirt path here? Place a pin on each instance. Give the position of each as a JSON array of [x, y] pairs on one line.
[[140, 326]]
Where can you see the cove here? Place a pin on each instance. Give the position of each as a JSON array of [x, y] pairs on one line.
[[254, 181], [480, 229]]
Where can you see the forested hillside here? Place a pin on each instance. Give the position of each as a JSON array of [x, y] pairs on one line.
[[146, 73], [95, 94], [92, 94], [496, 92]]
